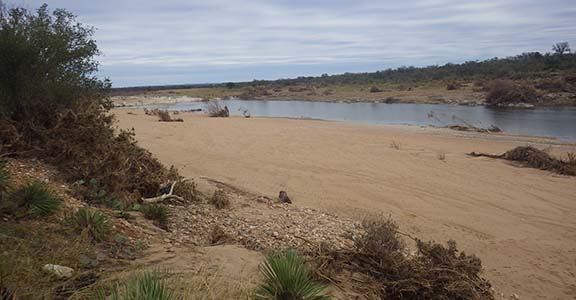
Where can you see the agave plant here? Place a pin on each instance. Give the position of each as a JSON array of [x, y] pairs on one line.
[[143, 286], [94, 222], [37, 199], [287, 277]]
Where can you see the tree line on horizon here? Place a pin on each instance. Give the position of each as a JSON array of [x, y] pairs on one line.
[[529, 65]]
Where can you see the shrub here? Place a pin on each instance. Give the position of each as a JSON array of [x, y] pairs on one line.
[[375, 90], [214, 109], [36, 199], [288, 277], [220, 199], [386, 271], [46, 64], [60, 114], [158, 213], [503, 92], [4, 178], [218, 235], [164, 116], [143, 286], [96, 224]]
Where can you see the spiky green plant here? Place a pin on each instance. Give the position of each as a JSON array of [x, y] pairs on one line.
[[95, 223], [37, 199], [143, 286], [157, 213], [287, 277]]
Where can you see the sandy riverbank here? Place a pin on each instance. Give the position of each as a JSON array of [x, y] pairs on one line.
[[521, 222]]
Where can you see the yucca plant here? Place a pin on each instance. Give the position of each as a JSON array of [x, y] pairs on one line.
[[37, 199], [95, 223], [143, 286], [287, 277], [157, 213]]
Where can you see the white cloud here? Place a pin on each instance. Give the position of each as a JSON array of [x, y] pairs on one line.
[[192, 39]]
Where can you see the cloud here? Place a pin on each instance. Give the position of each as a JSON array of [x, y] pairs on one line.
[[186, 41]]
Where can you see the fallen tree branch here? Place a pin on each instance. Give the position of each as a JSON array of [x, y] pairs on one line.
[[165, 197]]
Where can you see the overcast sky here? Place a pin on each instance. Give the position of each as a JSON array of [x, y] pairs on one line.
[[151, 42]]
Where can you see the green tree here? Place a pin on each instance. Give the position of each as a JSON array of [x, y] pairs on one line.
[[46, 63]]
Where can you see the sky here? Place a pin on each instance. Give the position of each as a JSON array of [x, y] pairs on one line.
[[157, 42]]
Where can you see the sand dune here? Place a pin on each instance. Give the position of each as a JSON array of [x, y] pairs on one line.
[[521, 222]]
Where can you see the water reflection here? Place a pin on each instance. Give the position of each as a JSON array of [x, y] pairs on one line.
[[555, 122]]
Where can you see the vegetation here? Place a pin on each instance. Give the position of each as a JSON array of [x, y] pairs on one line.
[[288, 277], [534, 158], [143, 286], [386, 270], [158, 213], [36, 199], [220, 200], [4, 179], [214, 110], [503, 92], [92, 222], [54, 107]]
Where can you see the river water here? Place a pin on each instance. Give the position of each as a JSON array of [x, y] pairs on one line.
[[552, 122]]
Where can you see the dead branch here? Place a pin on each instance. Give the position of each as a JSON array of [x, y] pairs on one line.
[[167, 196]]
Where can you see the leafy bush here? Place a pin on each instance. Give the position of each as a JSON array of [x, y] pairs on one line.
[[46, 64], [143, 286], [52, 105], [96, 224], [503, 92], [158, 213], [36, 199], [288, 277]]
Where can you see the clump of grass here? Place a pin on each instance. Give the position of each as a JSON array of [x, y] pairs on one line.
[[36, 199], [220, 200], [218, 235], [215, 110], [143, 286], [288, 277], [4, 177], [395, 145], [96, 224], [441, 156], [158, 213]]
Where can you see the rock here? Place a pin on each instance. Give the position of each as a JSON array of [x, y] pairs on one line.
[[515, 297], [283, 196], [61, 272]]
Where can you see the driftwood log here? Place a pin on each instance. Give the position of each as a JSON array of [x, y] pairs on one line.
[[166, 196]]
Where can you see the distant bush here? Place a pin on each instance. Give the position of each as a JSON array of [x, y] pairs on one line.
[[503, 92], [214, 109], [453, 86], [143, 286], [375, 90], [36, 199], [158, 213], [96, 224], [288, 277], [164, 116]]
